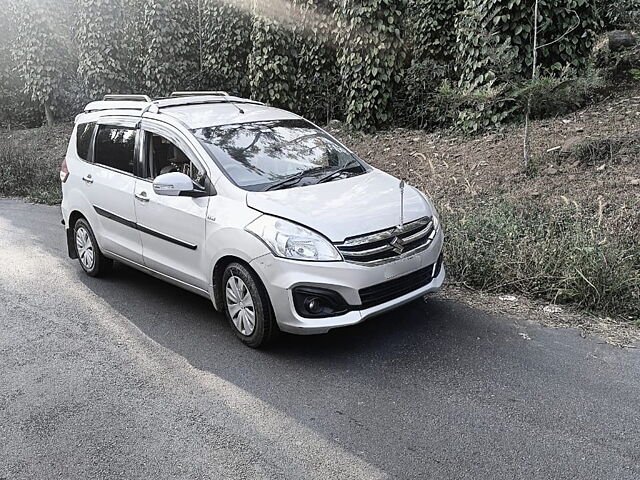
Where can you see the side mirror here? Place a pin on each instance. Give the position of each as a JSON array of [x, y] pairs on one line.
[[176, 184]]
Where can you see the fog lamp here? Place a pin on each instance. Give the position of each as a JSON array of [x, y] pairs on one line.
[[312, 302]]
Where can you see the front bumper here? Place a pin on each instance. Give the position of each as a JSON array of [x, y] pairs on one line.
[[281, 276]]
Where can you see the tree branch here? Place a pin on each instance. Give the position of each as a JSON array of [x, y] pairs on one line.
[[564, 35]]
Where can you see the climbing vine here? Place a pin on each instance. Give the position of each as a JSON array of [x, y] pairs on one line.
[[225, 47], [371, 58], [133, 48], [316, 73], [98, 40], [495, 50], [369, 62], [568, 27], [432, 29], [170, 61], [40, 51], [272, 60]]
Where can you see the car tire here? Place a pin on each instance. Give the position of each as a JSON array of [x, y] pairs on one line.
[[247, 306], [91, 259]]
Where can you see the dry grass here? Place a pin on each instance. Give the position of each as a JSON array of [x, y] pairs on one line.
[[30, 163]]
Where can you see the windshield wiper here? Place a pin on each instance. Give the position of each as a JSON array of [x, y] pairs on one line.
[[349, 166], [295, 179]]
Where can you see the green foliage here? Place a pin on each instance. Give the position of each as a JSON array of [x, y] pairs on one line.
[[371, 58], [555, 253], [171, 51], [620, 14], [567, 32], [272, 60], [317, 78], [558, 95], [416, 62], [40, 51], [133, 44], [98, 40], [426, 98], [226, 47], [495, 50], [422, 99], [15, 106], [432, 29]]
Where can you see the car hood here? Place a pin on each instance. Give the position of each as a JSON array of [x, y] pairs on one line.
[[344, 208]]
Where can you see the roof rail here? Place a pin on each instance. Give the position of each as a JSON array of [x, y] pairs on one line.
[[199, 94], [126, 98]]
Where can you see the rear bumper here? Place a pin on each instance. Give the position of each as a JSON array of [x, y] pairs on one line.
[[281, 277]]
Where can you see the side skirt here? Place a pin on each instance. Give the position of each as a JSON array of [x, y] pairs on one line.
[[161, 276]]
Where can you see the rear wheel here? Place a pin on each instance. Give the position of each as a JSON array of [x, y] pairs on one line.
[[91, 259], [247, 306]]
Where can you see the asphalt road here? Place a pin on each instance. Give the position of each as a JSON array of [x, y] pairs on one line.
[[133, 378]]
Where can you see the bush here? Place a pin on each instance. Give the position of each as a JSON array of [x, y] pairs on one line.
[[553, 96], [425, 98], [554, 253], [22, 174], [619, 67]]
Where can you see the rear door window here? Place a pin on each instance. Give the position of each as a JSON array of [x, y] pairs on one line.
[[84, 136], [115, 147]]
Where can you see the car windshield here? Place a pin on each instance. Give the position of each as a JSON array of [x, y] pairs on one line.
[[277, 154]]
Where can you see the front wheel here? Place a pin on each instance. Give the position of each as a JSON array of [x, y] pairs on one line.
[[92, 261], [247, 306]]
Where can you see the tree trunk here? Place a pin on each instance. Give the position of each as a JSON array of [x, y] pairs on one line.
[[534, 76], [48, 111]]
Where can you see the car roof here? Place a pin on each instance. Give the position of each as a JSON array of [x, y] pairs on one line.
[[194, 112], [213, 115]]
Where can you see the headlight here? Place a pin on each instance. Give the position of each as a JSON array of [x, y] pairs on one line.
[[436, 221], [288, 240], [434, 213]]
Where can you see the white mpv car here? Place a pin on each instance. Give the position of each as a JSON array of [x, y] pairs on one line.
[[261, 211]]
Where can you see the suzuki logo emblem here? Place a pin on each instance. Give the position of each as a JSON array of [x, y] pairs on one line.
[[397, 245]]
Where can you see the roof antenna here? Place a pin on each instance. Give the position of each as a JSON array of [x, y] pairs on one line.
[[228, 99], [402, 185]]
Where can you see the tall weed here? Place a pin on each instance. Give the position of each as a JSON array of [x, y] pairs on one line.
[[557, 254]]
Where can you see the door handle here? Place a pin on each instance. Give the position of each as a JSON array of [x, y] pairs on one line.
[[87, 179], [142, 196]]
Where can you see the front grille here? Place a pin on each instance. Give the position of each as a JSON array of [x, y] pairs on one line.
[[392, 289], [388, 245]]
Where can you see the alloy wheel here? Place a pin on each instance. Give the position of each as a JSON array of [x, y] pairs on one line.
[[240, 304], [84, 246]]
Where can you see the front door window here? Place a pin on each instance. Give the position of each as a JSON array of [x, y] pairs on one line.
[[165, 157]]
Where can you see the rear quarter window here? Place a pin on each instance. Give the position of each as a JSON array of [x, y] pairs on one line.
[[115, 147], [83, 139]]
